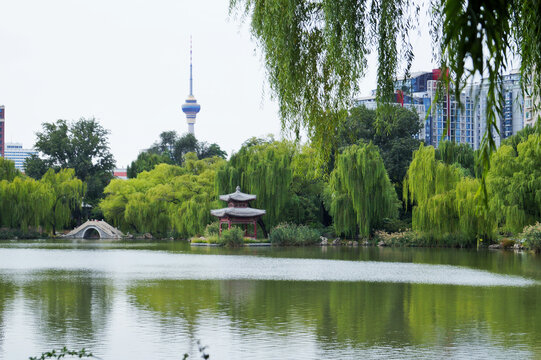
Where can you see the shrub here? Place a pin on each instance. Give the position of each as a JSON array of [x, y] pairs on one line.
[[403, 238], [507, 243], [233, 237], [9, 234], [212, 229], [532, 237], [394, 225], [291, 234]]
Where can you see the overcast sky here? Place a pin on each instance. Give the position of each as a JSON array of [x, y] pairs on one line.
[[126, 63]]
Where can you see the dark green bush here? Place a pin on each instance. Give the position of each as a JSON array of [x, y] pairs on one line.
[[233, 237], [291, 234], [8, 234], [394, 225]]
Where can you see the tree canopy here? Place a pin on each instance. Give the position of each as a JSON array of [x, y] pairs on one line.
[[49, 202], [82, 145], [315, 53], [167, 200], [396, 144], [172, 149], [360, 192]]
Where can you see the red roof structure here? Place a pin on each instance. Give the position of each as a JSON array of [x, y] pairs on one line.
[[238, 211]]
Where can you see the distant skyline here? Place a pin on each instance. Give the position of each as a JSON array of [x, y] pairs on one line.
[[126, 63]]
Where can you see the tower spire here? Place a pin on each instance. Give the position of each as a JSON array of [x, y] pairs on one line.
[[191, 107], [191, 80]]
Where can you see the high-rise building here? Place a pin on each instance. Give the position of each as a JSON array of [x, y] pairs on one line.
[[532, 107], [16, 153], [191, 107], [423, 93], [445, 118], [2, 129], [512, 119]]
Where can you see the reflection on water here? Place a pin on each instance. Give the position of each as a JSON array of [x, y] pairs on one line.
[[140, 304]]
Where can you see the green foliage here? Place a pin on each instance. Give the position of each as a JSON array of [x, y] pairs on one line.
[[83, 146], [315, 52], [451, 153], [522, 135], [263, 169], [446, 201], [212, 229], [67, 195], [49, 202], [146, 161], [404, 237], [396, 144], [7, 234], [7, 170], [360, 193], [514, 184], [62, 353], [291, 234], [172, 149], [532, 237], [166, 199], [233, 237]]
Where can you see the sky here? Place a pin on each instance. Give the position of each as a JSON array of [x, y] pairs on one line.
[[126, 63]]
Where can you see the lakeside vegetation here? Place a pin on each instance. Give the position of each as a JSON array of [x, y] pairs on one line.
[[430, 197], [389, 189]]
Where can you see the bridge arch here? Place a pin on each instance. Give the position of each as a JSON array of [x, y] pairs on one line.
[[91, 232], [95, 229]]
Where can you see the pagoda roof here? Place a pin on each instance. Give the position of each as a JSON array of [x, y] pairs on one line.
[[238, 196], [237, 212]]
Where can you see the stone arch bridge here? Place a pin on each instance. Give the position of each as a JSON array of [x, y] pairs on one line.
[[95, 229]]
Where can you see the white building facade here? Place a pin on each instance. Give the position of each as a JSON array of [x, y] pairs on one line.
[[16, 153]]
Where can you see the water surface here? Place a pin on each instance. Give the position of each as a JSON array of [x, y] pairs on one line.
[[155, 300]]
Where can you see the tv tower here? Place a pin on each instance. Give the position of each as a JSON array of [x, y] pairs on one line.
[[191, 107]]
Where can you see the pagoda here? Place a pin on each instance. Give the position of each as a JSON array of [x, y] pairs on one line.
[[238, 211]]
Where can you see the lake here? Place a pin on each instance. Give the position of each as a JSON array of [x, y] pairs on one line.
[[134, 300]]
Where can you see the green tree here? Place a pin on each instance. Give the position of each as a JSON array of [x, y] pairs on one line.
[[396, 144], [24, 202], [83, 146], [172, 149], [514, 184], [7, 170], [35, 167], [451, 152], [262, 168], [445, 201], [360, 192], [146, 161], [67, 196], [315, 53], [165, 200]]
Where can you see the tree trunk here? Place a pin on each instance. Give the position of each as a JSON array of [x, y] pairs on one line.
[[262, 224]]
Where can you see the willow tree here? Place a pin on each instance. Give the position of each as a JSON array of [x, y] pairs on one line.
[[360, 191], [166, 199], [24, 202], [7, 170], [263, 168], [67, 195], [445, 200], [430, 185], [315, 52], [514, 183]]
